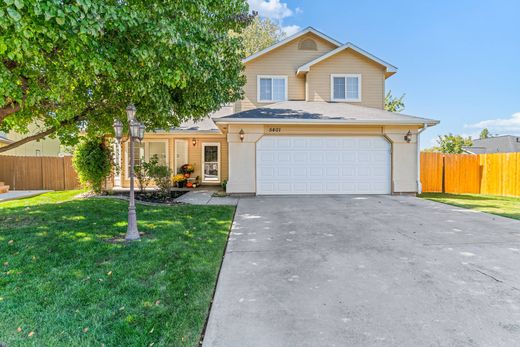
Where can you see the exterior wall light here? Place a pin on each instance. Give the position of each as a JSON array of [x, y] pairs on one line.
[[241, 133], [194, 142], [408, 136]]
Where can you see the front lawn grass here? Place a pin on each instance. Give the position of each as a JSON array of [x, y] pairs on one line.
[[499, 205], [63, 284]]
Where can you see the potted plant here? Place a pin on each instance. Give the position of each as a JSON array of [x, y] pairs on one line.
[[187, 170], [179, 180]]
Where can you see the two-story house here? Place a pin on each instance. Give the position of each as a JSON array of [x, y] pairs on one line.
[[312, 121]]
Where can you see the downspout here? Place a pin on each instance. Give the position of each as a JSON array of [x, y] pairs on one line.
[[419, 184]]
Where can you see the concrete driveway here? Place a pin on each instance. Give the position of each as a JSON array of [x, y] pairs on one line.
[[366, 271]]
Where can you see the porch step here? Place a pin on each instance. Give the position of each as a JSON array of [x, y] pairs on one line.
[[3, 188]]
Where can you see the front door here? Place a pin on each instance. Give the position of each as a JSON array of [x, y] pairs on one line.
[[181, 154], [211, 162]]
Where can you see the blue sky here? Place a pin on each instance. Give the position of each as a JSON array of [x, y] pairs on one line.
[[459, 61]]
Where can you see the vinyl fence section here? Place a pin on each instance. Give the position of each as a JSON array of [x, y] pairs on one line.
[[489, 174], [28, 173]]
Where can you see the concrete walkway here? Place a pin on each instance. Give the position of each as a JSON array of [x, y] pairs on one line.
[[20, 194], [366, 271], [205, 197]]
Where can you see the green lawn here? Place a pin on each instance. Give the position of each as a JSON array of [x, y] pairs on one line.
[[63, 284], [499, 205]]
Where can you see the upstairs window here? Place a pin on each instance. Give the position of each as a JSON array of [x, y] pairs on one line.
[[346, 88], [272, 88]]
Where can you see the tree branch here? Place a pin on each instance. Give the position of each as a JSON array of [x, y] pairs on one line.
[[45, 133], [28, 139], [9, 110]]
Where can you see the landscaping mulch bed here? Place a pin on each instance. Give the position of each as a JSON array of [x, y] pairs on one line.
[[154, 196]]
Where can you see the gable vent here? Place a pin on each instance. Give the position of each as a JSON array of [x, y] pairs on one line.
[[307, 45]]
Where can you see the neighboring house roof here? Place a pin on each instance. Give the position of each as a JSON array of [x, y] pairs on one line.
[[4, 139], [321, 112], [390, 69], [497, 144], [290, 38]]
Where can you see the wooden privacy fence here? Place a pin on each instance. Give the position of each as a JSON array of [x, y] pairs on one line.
[[490, 174], [27, 173]]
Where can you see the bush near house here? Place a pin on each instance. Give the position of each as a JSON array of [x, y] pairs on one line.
[[93, 162]]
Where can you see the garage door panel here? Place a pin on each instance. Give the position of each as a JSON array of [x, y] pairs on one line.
[[323, 165]]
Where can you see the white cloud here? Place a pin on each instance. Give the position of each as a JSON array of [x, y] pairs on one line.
[[290, 29], [277, 11], [273, 9], [500, 125]]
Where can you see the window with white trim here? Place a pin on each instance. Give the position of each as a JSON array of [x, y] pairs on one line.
[[345, 87], [272, 88]]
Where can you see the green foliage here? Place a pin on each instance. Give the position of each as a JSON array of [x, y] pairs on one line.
[[161, 174], [93, 162], [394, 104], [452, 144], [78, 64], [260, 34], [142, 176], [66, 277], [484, 134]]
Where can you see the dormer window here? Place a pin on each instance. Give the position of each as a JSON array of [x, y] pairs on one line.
[[272, 88], [345, 87]]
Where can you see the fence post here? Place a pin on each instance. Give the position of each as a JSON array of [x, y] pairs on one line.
[[443, 173]]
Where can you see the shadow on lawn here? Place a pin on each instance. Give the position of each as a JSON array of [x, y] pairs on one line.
[[60, 276]]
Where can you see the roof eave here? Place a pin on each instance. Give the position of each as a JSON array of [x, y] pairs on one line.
[[429, 122], [289, 39], [390, 69]]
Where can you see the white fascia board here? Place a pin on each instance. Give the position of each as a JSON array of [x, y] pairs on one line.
[[306, 67], [290, 38], [325, 121]]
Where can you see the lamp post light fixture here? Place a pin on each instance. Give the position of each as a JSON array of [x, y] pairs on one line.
[[136, 132]]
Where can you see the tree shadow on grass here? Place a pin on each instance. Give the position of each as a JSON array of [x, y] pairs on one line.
[[60, 276]]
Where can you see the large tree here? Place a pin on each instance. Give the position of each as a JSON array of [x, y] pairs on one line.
[[261, 33], [72, 66], [451, 144], [393, 103]]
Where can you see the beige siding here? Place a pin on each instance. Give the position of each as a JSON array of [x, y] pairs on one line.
[[194, 153], [284, 60], [348, 62]]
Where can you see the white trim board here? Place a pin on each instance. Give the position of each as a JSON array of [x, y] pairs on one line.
[[306, 67]]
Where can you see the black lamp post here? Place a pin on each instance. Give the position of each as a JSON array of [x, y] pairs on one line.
[[136, 131]]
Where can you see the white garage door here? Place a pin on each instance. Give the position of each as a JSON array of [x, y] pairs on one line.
[[322, 165]]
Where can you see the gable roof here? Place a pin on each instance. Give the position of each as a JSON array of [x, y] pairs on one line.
[[321, 112], [290, 38], [390, 69]]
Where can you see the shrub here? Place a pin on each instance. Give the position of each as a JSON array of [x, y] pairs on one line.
[[161, 174], [93, 162]]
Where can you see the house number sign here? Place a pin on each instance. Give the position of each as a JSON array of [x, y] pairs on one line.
[[274, 130]]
